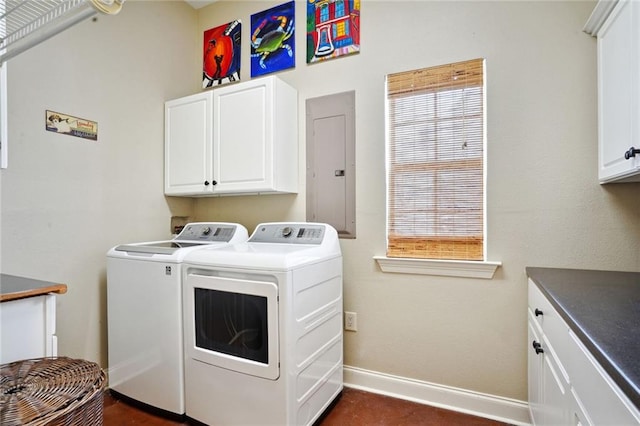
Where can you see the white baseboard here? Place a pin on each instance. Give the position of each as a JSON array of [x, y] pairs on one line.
[[493, 407]]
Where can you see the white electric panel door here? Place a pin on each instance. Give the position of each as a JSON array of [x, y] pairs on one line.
[[330, 194], [331, 162]]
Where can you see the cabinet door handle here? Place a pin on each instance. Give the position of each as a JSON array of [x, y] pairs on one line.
[[537, 347], [206, 183], [538, 312], [631, 153]]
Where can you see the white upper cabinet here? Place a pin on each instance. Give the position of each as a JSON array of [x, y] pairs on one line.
[[187, 144], [616, 24], [235, 139], [255, 131]]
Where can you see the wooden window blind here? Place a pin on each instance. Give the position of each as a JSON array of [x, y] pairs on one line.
[[435, 119]]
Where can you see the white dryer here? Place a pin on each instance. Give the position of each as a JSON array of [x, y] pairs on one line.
[[144, 296], [263, 327]]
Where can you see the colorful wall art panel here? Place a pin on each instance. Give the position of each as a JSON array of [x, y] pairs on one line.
[[333, 29], [221, 54], [273, 40]]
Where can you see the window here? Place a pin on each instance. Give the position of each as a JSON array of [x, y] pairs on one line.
[[340, 30], [435, 162], [324, 13]]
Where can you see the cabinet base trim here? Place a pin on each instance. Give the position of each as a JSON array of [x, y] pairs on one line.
[[464, 401]]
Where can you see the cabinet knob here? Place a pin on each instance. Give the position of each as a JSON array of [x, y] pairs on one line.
[[631, 153], [538, 312], [214, 182], [206, 183], [537, 347]]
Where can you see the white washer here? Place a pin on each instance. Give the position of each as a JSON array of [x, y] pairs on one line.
[[144, 294], [263, 327]]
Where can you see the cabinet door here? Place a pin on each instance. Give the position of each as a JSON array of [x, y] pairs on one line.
[[554, 390], [548, 387], [243, 137], [188, 138], [28, 328], [604, 403], [534, 362], [619, 92]]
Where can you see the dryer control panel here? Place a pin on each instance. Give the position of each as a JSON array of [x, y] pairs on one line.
[[289, 233]]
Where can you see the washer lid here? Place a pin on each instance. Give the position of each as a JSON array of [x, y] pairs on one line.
[[193, 236], [160, 247]]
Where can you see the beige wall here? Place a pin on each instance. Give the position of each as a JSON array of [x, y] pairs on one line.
[[66, 201], [545, 207]]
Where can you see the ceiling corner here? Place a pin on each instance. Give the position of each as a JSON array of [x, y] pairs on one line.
[[197, 4]]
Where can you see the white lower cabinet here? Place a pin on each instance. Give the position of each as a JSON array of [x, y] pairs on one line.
[[567, 386], [535, 365], [28, 328], [603, 401], [548, 385]]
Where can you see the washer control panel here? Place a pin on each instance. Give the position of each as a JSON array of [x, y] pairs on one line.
[[208, 232], [288, 233]]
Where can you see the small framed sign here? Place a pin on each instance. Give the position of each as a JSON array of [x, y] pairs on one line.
[[70, 125]]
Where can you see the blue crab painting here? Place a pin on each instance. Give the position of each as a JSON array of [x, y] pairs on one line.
[[273, 40]]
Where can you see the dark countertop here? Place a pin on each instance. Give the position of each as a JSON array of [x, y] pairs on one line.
[[13, 287], [603, 309]]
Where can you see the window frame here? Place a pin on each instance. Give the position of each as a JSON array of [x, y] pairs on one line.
[[479, 267]]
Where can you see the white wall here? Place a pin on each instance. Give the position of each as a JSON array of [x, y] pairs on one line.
[[545, 206], [66, 200]]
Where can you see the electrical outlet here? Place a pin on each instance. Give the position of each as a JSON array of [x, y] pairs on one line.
[[351, 321]]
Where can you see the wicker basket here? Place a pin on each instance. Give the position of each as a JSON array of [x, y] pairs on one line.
[[51, 391]]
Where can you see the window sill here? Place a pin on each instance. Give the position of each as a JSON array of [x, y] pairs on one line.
[[447, 268]]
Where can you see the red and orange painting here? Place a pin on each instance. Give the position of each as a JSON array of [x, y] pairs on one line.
[[221, 54]]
